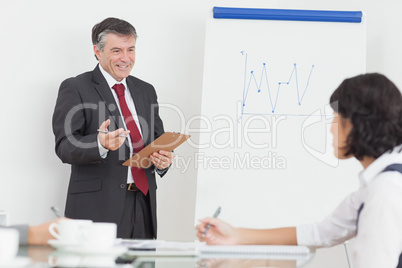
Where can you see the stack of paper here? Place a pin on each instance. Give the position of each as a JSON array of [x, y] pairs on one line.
[[256, 251], [170, 248], [159, 248]]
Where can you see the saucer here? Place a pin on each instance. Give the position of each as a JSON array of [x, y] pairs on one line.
[[16, 262], [65, 260], [79, 250], [57, 244]]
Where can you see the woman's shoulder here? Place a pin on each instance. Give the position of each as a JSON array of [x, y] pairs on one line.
[[386, 186]]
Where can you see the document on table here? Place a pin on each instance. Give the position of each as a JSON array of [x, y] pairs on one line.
[[169, 248], [256, 251], [159, 248]]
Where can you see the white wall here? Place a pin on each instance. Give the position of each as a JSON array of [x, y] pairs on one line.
[[46, 41]]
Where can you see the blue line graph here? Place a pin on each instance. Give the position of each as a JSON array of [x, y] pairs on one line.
[[251, 84]]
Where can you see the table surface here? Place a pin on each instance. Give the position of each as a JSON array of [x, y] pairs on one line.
[[49, 257]]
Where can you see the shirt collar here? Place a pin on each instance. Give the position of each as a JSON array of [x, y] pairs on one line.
[[110, 80], [386, 159]]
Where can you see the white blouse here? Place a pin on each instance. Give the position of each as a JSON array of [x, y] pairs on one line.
[[378, 242]]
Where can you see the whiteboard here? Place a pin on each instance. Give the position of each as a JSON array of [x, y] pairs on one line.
[[265, 150]]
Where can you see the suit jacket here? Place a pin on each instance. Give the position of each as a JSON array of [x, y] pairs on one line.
[[97, 186]]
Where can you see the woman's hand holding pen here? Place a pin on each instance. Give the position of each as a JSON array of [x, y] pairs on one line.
[[111, 140], [219, 233]]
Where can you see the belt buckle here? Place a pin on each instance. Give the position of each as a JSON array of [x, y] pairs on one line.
[[132, 187]]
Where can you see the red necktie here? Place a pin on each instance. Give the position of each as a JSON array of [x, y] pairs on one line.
[[136, 140]]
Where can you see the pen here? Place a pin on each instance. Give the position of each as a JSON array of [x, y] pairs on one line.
[[56, 212], [104, 131], [209, 225]]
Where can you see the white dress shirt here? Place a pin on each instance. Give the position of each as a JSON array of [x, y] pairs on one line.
[[378, 242], [131, 106]]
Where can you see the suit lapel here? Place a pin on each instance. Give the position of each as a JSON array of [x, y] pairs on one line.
[[106, 95]]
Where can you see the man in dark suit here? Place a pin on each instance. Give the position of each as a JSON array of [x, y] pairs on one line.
[[101, 119]]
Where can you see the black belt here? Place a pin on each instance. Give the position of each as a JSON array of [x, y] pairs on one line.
[[132, 187]]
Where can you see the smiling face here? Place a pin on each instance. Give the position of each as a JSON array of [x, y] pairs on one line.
[[340, 130], [118, 55]]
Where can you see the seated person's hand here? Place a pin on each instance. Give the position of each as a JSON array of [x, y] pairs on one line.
[[220, 232], [39, 234]]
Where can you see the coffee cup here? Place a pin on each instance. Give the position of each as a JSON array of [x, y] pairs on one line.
[[69, 232], [3, 217], [9, 242], [99, 235]]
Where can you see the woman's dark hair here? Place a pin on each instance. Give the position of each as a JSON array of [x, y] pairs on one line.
[[373, 104]]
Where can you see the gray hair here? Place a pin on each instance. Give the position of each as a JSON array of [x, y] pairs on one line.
[[100, 45], [111, 25]]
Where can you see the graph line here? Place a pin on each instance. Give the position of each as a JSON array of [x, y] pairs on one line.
[[252, 81]]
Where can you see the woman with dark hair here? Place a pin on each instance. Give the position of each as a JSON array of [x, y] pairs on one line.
[[367, 125]]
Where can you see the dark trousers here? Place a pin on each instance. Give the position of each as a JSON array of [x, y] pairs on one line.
[[136, 221]]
